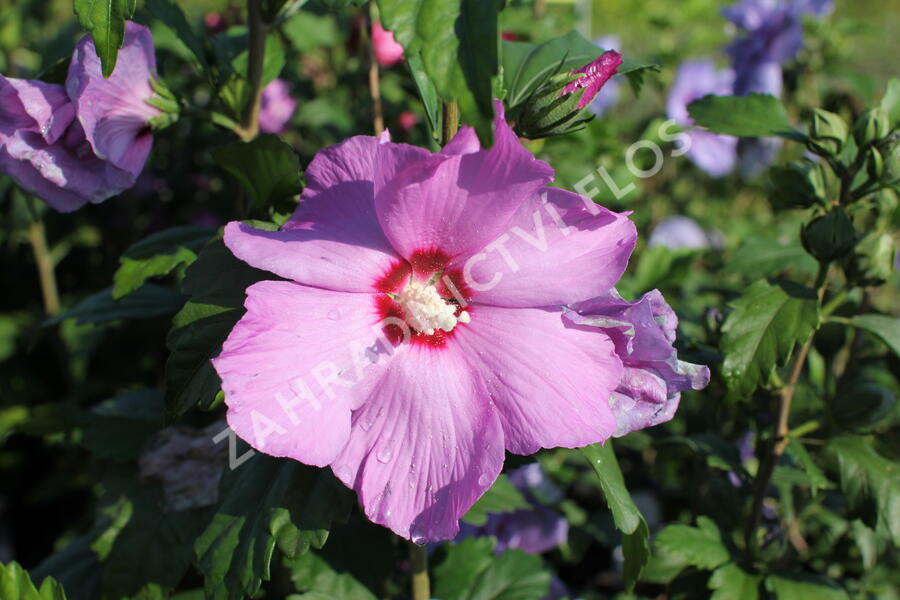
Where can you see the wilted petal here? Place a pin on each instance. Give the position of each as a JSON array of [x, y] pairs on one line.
[[425, 446], [113, 111]]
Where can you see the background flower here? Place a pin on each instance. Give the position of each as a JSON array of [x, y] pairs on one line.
[[387, 51], [277, 107]]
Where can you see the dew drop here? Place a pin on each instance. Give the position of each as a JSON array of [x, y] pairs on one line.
[[334, 314], [384, 455], [366, 423], [343, 473], [484, 480]]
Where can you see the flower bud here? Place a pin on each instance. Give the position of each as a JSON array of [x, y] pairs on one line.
[[798, 185], [872, 260], [828, 131], [164, 100], [871, 127], [829, 236], [874, 164]]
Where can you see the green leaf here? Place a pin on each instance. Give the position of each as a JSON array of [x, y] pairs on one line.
[[76, 567], [891, 101], [233, 60], [817, 479], [626, 515], [216, 284], [870, 482], [731, 582], [120, 426], [308, 31], [768, 320], [501, 497], [105, 21], [16, 584], [351, 566], [458, 42], [149, 301], [754, 115], [264, 503], [804, 586], [885, 328], [701, 546], [759, 257], [267, 167], [514, 575], [427, 93], [171, 15], [625, 512], [465, 561], [158, 255]]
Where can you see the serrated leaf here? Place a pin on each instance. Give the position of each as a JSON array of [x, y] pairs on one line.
[[105, 21], [804, 586], [754, 115], [768, 320], [514, 575], [158, 255], [501, 497], [16, 584], [171, 15], [235, 551], [701, 546], [817, 479], [465, 561], [216, 284], [870, 482], [731, 582], [885, 328], [267, 167], [149, 301], [458, 43], [636, 552]]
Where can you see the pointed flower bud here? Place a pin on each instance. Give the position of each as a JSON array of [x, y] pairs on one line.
[[593, 76]]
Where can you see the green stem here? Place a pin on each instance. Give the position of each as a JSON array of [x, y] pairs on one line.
[[38, 238], [450, 121], [421, 586], [782, 431], [256, 53]]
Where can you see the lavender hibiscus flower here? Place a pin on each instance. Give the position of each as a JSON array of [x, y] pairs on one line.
[[534, 530], [277, 107], [679, 233], [714, 153], [420, 334], [86, 141]]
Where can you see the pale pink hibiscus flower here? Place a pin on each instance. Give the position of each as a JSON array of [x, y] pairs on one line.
[[85, 141], [421, 332]]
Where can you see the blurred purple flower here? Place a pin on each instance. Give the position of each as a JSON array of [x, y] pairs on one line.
[[679, 233], [277, 107], [643, 333], [714, 153], [594, 76], [86, 141], [535, 530], [609, 95]]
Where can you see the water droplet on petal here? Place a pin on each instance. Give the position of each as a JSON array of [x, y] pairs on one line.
[[485, 480], [366, 422], [334, 314], [343, 473], [384, 454]]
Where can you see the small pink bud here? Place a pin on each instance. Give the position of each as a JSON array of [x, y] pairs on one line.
[[593, 76], [387, 51]]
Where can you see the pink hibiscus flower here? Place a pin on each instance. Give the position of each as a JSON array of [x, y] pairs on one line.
[[420, 334], [387, 51], [277, 107], [594, 76]]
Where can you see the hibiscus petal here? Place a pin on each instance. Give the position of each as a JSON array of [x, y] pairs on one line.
[[35, 106], [296, 364], [113, 110], [550, 382], [456, 202], [558, 248], [424, 447]]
